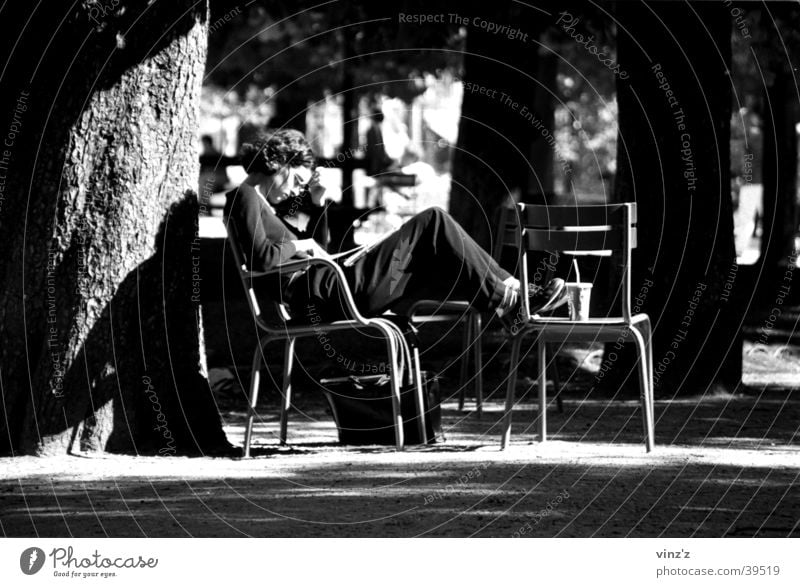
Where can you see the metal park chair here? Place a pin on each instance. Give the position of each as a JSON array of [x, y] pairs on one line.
[[401, 358], [426, 311], [577, 230]]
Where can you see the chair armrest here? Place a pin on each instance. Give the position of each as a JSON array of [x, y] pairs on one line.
[[341, 282], [422, 306]]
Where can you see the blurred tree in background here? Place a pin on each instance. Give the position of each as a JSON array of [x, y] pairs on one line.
[[772, 68], [303, 51], [270, 62]]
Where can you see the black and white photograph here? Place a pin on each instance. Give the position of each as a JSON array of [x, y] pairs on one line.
[[351, 269]]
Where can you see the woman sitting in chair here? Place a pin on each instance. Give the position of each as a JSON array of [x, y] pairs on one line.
[[277, 215]]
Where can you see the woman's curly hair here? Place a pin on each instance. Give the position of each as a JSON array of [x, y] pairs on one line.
[[272, 151]]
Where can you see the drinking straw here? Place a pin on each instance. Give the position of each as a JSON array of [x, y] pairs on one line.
[[577, 271]]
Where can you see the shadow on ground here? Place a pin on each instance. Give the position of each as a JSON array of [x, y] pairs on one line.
[[725, 466]]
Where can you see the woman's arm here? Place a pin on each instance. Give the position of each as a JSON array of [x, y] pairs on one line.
[[264, 239], [306, 213], [312, 247]]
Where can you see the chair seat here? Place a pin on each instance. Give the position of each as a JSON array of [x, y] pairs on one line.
[[593, 329], [427, 311], [434, 311], [446, 305], [615, 321]]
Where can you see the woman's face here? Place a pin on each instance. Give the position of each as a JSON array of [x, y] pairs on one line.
[[289, 181]]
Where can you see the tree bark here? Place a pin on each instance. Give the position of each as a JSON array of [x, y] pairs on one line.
[[499, 121], [542, 156], [100, 332], [779, 173], [674, 129]]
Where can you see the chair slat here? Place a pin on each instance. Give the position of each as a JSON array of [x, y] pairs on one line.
[[511, 237], [552, 216], [562, 240]]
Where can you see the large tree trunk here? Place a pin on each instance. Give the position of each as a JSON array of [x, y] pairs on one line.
[[674, 128], [100, 333], [541, 181], [499, 121], [779, 173]]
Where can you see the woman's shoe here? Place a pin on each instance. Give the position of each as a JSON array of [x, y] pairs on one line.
[[549, 297], [541, 299]]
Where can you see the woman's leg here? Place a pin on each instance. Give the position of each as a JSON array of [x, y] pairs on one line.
[[429, 257]]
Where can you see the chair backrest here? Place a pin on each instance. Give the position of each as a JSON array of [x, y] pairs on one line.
[[575, 230], [246, 276]]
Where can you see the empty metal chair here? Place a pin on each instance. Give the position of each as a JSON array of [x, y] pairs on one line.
[[581, 230]]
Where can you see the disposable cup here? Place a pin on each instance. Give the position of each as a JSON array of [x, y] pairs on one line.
[[579, 296]]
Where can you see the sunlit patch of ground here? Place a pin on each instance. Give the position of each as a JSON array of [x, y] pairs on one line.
[[723, 466], [771, 364]]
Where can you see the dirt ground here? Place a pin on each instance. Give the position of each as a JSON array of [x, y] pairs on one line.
[[723, 466]]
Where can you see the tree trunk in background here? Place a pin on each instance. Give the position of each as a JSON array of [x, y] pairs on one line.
[[541, 180], [349, 119], [499, 121], [674, 160], [290, 111], [779, 173], [100, 335]]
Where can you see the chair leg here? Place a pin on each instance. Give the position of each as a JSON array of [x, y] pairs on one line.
[[396, 381], [419, 399], [516, 342], [255, 382], [477, 349], [645, 389], [466, 339], [648, 341], [542, 348], [394, 338], [286, 396], [647, 334], [556, 379]]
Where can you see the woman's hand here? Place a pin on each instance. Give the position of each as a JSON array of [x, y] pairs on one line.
[[315, 189], [311, 247]]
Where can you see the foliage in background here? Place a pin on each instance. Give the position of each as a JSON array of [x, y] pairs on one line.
[[305, 50], [586, 107]]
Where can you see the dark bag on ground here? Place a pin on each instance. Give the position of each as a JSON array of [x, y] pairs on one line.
[[362, 409]]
